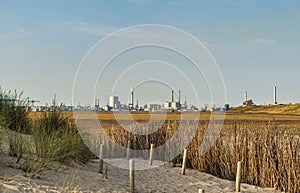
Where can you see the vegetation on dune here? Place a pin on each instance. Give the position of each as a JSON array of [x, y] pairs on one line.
[[13, 111], [1, 133], [41, 144], [289, 109], [268, 148], [57, 138], [270, 155]]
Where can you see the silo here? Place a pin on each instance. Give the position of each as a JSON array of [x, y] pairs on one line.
[[172, 96], [275, 95], [111, 101], [246, 96]]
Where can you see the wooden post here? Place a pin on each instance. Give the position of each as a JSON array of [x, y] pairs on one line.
[[183, 162], [131, 175], [128, 149], [101, 159], [151, 154], [238, 177], [105, 172], [201, 191]]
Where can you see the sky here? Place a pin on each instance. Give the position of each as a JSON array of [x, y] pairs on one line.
[[255, 44]]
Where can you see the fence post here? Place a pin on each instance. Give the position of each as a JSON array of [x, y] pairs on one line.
[[151, 154], [183, 162], [101, 159], [128, 149], [131, 175], [238, 178]]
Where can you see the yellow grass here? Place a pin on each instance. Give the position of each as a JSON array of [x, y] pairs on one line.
[[266, 143], [288, 109], [142, 116]]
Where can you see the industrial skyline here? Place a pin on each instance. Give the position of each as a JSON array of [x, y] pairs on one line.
[[43, 42], [175, 104]]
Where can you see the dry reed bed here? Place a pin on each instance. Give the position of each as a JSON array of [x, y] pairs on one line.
[[270, 153]]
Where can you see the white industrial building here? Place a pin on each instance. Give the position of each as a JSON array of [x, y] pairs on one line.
[[114, 103], [173, 105]]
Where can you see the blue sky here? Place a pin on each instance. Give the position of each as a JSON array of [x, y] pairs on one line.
[[255, 42]]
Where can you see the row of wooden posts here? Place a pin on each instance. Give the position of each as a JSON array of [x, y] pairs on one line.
[[131, 167]]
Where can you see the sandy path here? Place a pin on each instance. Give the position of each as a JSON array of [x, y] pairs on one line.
[[85, 178]]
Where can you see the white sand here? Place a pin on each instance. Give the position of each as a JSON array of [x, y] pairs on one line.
[[85, 178]]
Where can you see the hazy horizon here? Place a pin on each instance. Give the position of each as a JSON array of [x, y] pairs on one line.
[[255, 44]]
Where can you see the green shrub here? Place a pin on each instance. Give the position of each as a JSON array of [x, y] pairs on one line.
[[53, 138], [1, 136], [13, 111], [57, 139], [19, 145]]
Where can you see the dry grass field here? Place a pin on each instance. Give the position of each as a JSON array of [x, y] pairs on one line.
[[107, 118], [287, 109], [267, 143], [144, 116]]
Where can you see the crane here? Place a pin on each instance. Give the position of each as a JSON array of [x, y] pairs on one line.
[[31, 102]]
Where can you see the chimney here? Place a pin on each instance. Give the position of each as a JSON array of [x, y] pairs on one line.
[[275, 95], [172, 95], [179, 96], [246, 96], [131, 97]]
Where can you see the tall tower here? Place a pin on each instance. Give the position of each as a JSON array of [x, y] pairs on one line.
[[137, 104], [275, 95], [179, 97], [131, 104], [172, 95], [97, 103], [246, 96]]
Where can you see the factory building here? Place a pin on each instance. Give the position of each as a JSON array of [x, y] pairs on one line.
[[114, 103], [131, 103], [173, 105], [247, 102], [154, 107]]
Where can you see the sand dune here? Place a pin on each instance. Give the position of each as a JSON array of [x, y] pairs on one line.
[[85, 178]]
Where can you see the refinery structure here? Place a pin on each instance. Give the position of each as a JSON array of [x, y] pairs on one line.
[[114, 104], [174, 104], [249, 102]]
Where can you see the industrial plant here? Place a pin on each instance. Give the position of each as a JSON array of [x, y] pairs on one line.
[[114, 104], [249, 102], [174, 104]]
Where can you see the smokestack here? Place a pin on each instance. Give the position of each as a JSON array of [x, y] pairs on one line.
[[172, 95], [132, 98], [246, 96], [97, 102], [179, 96], [275, 95]]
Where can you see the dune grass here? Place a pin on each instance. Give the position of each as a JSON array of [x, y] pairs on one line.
[[268, 149], [13, 111], [54, 141], [288, 109], [57, 138], [41, 144], [270, 155]]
